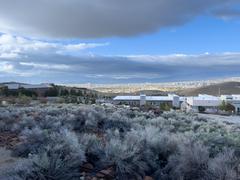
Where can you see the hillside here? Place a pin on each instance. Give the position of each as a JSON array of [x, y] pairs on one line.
[[51, 85], [216, 89], [151, 93], [91, 142]]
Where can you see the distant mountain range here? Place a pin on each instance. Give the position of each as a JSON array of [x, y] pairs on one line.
[[213, 88]]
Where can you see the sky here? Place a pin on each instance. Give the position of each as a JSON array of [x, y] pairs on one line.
[[127, 41]]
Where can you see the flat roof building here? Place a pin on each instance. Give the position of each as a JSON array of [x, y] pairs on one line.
[[141, 100], [16, 86], [202, 102], [234, 100], [39, 89]]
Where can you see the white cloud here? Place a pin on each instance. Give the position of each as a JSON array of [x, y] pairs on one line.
[[6, 67], [206, 59], [8, 55], [46, 66], [14, 46], [82, 46], [119, 69]]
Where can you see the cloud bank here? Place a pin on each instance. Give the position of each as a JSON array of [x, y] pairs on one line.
[[32, 64], [99, 18], [17, 46]]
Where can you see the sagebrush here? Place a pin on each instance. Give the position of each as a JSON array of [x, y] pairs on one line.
[[57, 141]]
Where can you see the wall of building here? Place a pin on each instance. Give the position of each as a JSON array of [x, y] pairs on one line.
[[203, 102], [209, 103], [126, 102], [143, 100]]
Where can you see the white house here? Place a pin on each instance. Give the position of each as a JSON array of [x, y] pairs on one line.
[[210, 103], [40, 89], [141, 100], [203, 102], [16, 86], [233, 100]]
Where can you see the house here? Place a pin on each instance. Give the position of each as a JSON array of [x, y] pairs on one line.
[[39, 89], [142, 100], [200, 103], [233, 100], [211, 104], [203, 103]]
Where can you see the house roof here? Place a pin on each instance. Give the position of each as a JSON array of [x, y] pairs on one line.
[[15, 86], [206, 98], [37, 86], [148, 98], [159, 98], [127, 98]]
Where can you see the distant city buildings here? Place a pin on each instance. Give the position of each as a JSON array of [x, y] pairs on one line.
[[165, 87]]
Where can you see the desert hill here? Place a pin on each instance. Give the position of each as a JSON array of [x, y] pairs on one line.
[[216, 89]]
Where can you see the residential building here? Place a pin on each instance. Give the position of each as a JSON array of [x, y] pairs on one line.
[[203, 102], [200, 103], [40, 89], [142, 100], [233, 100]]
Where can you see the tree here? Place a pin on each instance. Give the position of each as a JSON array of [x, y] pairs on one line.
[[227, 107], [3, 91], [165, 107], [52, 92], [223, 106], [25, 92], [64, 92], [79, 93], [93, 100], [73, 92]]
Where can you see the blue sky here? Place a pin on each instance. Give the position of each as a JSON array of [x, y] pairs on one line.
[[119, 42], [202, 34]]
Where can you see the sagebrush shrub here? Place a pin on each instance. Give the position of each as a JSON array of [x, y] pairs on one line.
[[126, 156], [57, 140], [191, 162], [224, 166]]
